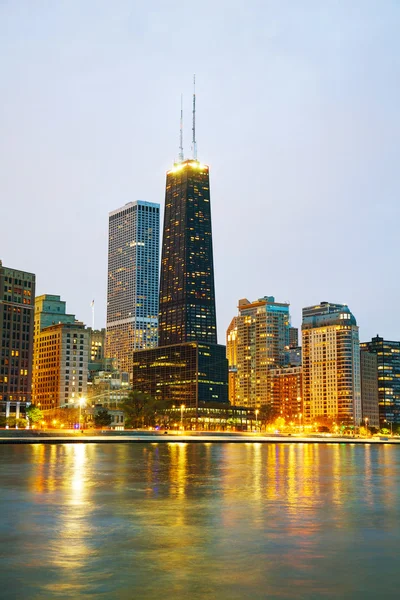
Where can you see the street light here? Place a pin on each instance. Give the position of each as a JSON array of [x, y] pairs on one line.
[[82, 402], [391, 427], [300, 415], [182, 409], [257, 411]]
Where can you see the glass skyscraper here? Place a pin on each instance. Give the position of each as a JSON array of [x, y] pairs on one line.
[[187, 296], [132, 289]]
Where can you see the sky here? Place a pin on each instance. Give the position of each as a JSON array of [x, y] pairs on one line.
[[297, 117]]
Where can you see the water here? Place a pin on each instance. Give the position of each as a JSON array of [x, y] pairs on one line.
[[191, 521]]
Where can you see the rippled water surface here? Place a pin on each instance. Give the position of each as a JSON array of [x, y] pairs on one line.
[[193, 521]]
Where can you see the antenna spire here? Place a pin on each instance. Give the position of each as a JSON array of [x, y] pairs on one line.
[[194, 143], [181, 133]]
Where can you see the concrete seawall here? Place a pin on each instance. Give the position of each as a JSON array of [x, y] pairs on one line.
[[124, 437]]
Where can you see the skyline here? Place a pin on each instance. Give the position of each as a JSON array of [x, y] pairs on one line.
[[305, 139]]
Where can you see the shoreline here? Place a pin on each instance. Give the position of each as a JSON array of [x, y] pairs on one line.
[[194, 437]]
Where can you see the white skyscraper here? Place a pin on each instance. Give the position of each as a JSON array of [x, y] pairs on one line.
[[132, 289]]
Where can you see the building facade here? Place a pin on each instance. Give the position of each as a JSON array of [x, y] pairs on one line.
[[50, 310], [189, 373], [331, 364], [294, 357], [260, 336], [97, 341], [388, 363], [213, 417], [17, 293], [293, 337], [132, 290], [61, 354], [287, 392], [108, 387], [231, 355], [369, 388]]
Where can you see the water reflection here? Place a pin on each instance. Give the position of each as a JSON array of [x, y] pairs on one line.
[[178, 469], [200, 520]]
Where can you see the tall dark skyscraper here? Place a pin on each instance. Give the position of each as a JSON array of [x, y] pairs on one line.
[[187, 296], [188, 366]]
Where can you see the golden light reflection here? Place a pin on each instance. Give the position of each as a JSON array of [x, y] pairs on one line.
[[77, 454], [283, 465], [368, 496], [337, 467], [257, 471], [178, 469], [38, 478], [71, 550], [291, 478]]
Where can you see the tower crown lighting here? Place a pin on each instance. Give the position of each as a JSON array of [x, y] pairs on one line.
[[194, 164]]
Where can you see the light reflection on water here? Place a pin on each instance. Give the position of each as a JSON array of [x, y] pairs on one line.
[[178, 520]]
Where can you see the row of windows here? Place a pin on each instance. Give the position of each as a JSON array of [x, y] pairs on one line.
[[14, 281]]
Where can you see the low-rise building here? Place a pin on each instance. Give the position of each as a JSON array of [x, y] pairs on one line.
[[212, 417]]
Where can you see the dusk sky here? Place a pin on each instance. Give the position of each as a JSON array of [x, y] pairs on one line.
[[298, 118]]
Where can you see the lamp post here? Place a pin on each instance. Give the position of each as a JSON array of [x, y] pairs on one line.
[[256, 412], [366, 424], [82, 402], [300, 415], [182, 409], [391, 427]]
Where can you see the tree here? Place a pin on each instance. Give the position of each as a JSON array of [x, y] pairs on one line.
[[325, 423], [65, 417], [267, 414], [34, 414], [141, 409], [102, 418]]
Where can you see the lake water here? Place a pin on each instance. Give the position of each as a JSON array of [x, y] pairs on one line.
[[190, 521]]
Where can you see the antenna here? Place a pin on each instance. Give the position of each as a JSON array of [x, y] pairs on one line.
[[194, 143], [92, 305], [181, 133]]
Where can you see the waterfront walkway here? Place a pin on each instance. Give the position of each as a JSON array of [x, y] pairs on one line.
[[153, 437]]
